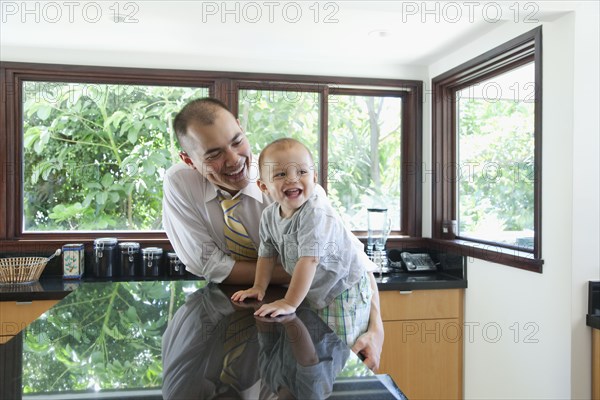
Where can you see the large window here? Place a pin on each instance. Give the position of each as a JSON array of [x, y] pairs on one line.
[[94, 154], [487, 152], [364, 156], [363, 160], [495, 150], [85, 148]]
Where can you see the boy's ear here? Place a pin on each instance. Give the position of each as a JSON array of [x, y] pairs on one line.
[[186, 159], [316, 177], [262, 186]]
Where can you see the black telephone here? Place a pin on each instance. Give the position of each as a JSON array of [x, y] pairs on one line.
[[418, 262]]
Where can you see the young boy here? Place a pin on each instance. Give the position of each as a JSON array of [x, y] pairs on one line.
[[325, 259]]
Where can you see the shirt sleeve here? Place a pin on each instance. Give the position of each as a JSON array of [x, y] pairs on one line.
[[317, 235], [189, 234]]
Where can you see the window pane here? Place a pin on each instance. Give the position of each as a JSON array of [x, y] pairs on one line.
[[268, 115], [364, 157], [496, 158], [95, 154]]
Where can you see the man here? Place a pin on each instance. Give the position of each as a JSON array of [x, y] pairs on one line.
[[218, 167]]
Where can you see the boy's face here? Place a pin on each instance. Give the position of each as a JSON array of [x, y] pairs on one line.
[[288, 176], [220, 152]]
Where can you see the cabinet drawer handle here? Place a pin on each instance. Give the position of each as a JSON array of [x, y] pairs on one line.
[[24, 303], [405, 291]]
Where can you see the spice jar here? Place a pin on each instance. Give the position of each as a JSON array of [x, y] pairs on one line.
[[152, 261], [176, 267], [130, 259], [105, 257], [73, 260]]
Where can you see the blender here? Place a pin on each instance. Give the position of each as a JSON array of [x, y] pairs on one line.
[[379, 226]]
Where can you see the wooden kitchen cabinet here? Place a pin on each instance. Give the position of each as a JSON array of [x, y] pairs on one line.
[[423, 348], [15, 316], [596, 364]]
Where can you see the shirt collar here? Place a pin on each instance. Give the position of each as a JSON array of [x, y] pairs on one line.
[[251, 190]]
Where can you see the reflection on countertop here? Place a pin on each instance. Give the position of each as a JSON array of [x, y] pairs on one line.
[[44, 289], [126, 339]]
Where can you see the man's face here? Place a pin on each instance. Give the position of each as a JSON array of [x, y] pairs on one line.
[[220, 152]]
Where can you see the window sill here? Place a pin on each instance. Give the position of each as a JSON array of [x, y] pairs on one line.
[[488, 252], [44, 242]]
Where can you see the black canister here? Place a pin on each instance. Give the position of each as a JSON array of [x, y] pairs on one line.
[[105, 257], [130, 259], [152, 261], [176, 267]]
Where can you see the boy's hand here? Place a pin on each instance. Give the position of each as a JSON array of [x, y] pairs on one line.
[[276, 308], [252, 293]]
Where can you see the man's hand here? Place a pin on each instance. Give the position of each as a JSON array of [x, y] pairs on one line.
[[252, 293], [276, 308], [369, 346]]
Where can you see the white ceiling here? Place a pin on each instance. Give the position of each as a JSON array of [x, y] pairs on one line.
[[415, 33]]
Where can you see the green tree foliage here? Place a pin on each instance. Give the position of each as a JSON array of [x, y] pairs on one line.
[[496, 176], [102, 336], [95, 154], [363, 143], [270, 115], [364, 157]]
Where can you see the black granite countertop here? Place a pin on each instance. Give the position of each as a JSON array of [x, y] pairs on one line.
[[418, 281], [55, 288], [451, 273], [44, 289], [154, 338]]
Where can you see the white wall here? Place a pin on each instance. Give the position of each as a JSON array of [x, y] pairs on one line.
[[528, 337], [137, 59], [586, 191]]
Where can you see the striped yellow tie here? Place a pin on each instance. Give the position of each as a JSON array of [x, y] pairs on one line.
[[240, 332], [236, 235]]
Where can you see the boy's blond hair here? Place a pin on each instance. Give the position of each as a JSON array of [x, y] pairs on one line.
[[282, 143]]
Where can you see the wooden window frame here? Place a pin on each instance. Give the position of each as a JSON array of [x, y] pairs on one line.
[[222, 85], [512, 54]]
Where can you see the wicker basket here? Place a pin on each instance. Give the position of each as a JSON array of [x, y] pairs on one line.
[[21, 269]]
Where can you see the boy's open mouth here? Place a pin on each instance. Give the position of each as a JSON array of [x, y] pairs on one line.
[[292, 193]]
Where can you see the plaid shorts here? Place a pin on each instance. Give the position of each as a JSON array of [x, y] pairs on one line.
[[348, 314]]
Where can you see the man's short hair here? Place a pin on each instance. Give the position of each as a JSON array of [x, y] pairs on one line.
[[203, 110]]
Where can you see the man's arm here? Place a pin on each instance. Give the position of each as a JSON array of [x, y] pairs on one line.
[[243, 273], [188, 231], [370, 343], [264, 270]]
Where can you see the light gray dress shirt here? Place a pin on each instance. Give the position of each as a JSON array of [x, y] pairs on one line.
[[193, 220]]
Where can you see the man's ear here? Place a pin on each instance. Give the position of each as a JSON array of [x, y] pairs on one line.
[[262, 186], [186, 159]]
